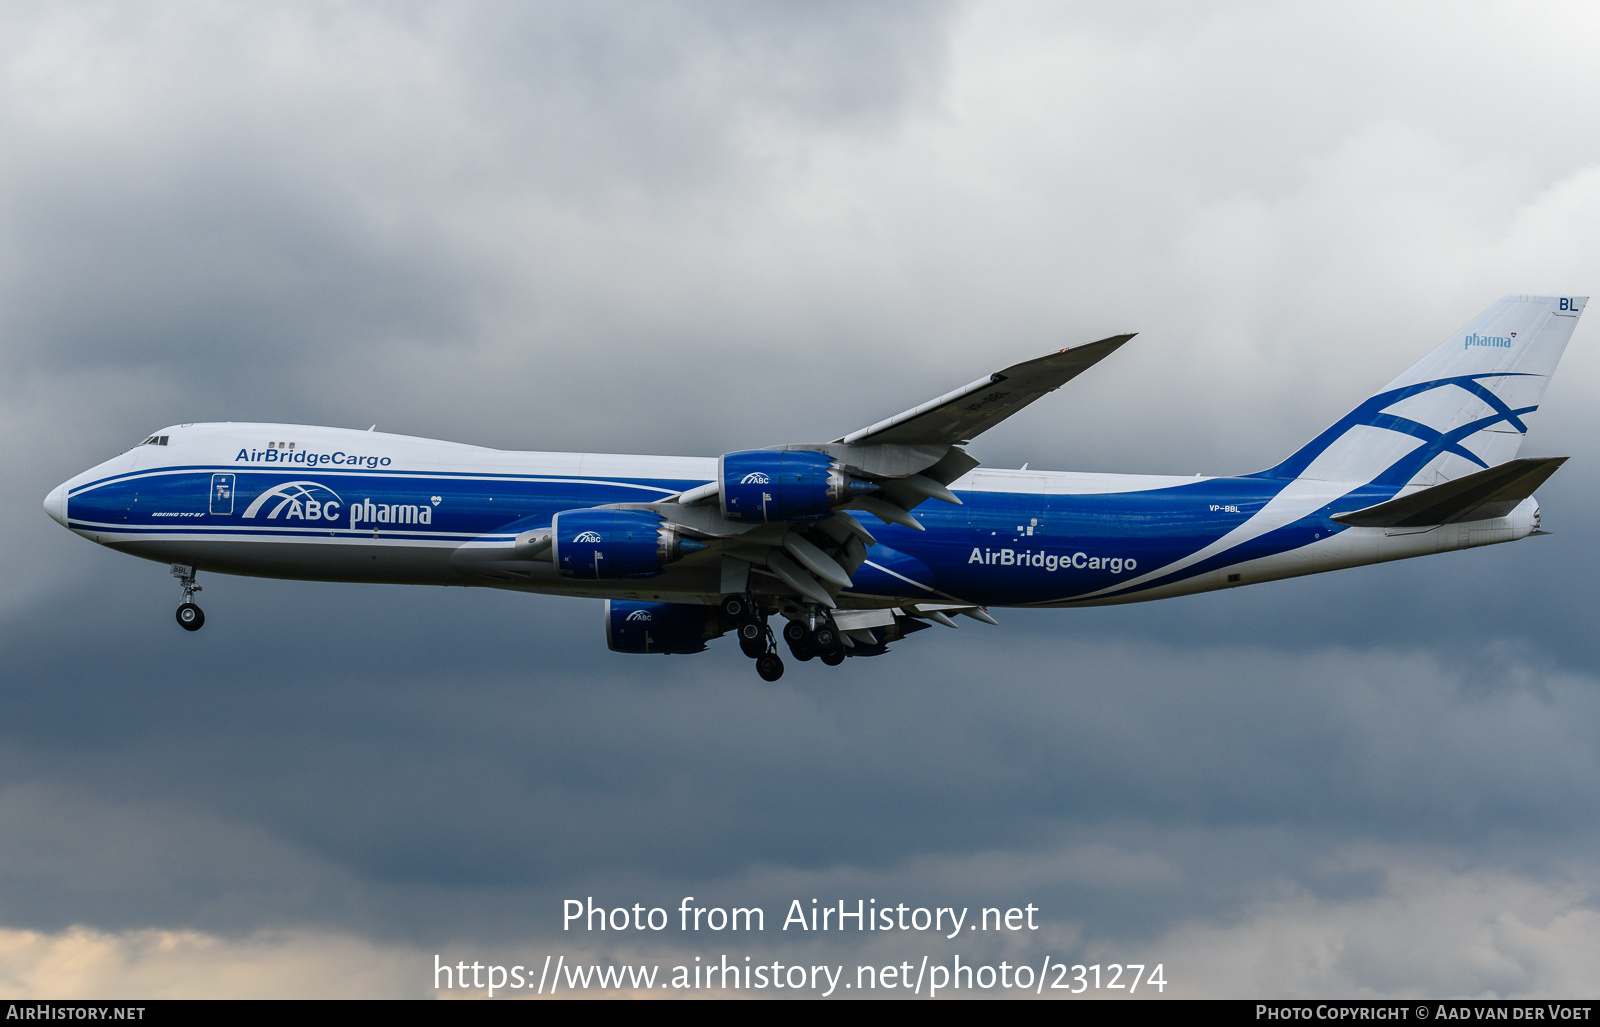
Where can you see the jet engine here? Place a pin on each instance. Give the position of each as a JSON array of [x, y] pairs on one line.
[[660, 627], [771, 485], [598, 543]]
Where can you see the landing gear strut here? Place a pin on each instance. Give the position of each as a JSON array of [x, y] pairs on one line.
[[755, 637], [190, 616]]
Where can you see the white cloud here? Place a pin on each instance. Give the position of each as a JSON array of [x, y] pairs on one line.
[[1435, 930], [83, 963]]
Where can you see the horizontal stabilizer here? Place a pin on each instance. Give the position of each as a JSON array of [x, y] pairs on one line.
[[962, 415], [1494, 492]]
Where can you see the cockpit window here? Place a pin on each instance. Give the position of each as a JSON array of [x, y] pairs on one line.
[[155, 440]]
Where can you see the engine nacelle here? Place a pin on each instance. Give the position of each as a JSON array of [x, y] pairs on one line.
[[660, 627], [599, 543], [769, 485]]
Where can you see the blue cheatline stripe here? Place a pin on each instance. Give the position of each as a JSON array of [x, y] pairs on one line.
[[1283, 539], [155, 472], [335, 534], [1402, 470], [1370, 414], [1389, 481]]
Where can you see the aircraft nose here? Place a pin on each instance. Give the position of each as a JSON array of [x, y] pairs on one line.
[[55, 504]]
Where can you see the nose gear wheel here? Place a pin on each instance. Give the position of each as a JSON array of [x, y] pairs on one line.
[[190, 616]]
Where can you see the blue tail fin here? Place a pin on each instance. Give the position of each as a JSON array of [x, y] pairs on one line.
[[1462, 408]]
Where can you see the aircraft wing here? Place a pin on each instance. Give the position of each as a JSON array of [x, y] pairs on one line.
[[904, 461], [893, 467], [966, 413]]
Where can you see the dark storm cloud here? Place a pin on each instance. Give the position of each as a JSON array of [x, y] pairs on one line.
[[439, 754], [236, 200], [698, 227]]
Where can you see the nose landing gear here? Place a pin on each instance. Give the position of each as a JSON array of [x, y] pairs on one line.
[[190, 616]]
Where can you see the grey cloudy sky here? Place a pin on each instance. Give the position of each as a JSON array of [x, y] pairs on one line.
[[695, 227]]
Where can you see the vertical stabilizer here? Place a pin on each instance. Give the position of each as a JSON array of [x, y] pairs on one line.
[[1462, 408]]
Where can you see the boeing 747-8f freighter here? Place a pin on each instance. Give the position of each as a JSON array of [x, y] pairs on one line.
[[852, 544]]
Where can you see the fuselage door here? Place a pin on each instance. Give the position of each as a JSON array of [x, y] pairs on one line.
[[222, 493]]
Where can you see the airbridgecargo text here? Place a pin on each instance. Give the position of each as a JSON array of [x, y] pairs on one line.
[[1051, 561], [309, 459]]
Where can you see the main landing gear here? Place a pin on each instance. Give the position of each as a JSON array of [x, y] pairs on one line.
[[190, 616], [810, 634], [769, 667], [814, 637], [755, 638]]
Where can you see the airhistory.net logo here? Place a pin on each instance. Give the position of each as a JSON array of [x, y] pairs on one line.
[[1493, 341]]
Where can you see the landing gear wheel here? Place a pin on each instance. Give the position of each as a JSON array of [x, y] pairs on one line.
[[769, 667], [833, 659], [825, 639], [735, 607], [801, 641], [191, 617], [753, 639]]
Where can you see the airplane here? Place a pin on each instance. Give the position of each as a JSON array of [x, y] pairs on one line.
[[684, 549]]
